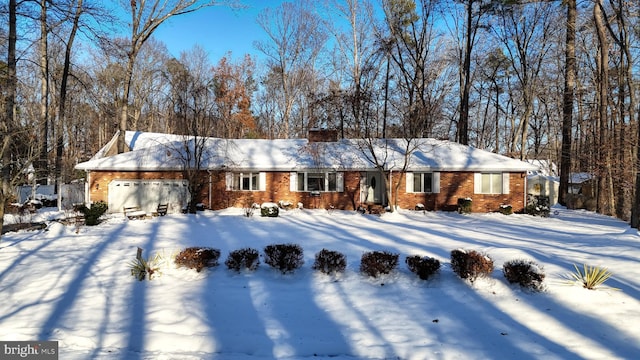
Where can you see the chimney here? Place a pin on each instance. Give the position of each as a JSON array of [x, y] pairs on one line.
[[323, 135]]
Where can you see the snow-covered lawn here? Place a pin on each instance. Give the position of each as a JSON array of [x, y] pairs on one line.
[[76, 288]]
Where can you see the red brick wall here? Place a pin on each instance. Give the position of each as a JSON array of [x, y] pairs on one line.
[[453, 185]]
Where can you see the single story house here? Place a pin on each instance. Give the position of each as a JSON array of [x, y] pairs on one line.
[[319, 172]]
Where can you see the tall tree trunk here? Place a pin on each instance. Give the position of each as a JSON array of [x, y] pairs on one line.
[[42, 164], [7, 123], [567, 101], [463, 124], [63, 93], [604, 196]]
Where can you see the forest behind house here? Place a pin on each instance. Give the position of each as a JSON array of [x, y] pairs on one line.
[[549, 80]]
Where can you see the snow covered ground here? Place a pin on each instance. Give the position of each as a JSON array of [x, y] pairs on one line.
[[76, 288]]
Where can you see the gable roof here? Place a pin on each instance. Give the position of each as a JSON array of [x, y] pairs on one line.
[[158, 152]]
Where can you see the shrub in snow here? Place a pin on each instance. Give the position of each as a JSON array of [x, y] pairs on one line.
[[464, 205], [269, 210], [590, 277], [246, 258], [424, 267], [92, 214], [198, 258], [526, 273], [141, 268], [420, 207], [284, 257], [538, 205], [470, 264], [328, 261], [506, 209], [376, 263]]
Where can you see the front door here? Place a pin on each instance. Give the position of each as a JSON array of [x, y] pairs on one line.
[[372, 188]]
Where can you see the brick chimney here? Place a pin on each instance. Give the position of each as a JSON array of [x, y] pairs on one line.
[[323, 135]]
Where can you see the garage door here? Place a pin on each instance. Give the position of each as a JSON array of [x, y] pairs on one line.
[[148, 194]]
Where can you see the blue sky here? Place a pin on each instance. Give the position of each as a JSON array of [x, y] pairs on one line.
[[216, 29]]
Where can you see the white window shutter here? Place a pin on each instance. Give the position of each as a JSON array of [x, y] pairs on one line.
[[293, 181], [262, 181], [229, 180], [505, 182], [477, 183], [340, 182], [409, 179], [435, 187]]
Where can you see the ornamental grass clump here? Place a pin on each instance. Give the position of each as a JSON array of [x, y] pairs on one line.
[[246, 258], [284, 257], [198, 258], [328, 262], [145, 269], [376, 263], [525, 273], [470, 264], [424, 267], [590, 277]]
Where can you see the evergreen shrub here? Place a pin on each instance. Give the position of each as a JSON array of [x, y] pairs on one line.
[[424, 267], [376, 263], [197, 258], [470, 264], [284, 257], [328, 261], [526, 273], [246, 258]]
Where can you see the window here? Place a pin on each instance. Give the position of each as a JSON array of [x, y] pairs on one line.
[[317, 181], [491, 183], [251, 181], [423, 182]]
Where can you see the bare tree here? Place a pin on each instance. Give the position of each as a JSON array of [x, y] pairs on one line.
[[146, 17], [7, 123], [568, 100], [295, 38]]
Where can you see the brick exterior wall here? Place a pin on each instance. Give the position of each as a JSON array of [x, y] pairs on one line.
[[453, 185]]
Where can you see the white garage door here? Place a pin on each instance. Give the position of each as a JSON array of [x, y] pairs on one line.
[[148, 194]]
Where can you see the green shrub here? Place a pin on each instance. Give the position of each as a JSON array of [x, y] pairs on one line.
[[376, 263], [470, 264], [328, 262], [526, 273], [424, 267], [92, 214], [269, 210], [505, 209], [284, 257], [590, 277], [198, 258], [246, 258], [464, 205], [538, 205]]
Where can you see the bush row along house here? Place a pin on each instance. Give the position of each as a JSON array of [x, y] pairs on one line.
[[319, 172]]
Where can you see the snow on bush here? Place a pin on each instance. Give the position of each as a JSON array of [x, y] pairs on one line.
[[328, 261], [284, 257], [526, 273], [197, 258], [424, 267], [246, 258], [376, 263], [470, 264], [269, 209]]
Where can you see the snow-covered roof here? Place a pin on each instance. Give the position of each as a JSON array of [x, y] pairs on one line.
[[153, 152]]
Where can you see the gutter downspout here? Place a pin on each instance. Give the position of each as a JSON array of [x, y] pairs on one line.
[[210, 182], [87, 190]]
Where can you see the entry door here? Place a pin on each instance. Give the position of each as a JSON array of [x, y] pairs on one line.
[[372, 188]]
